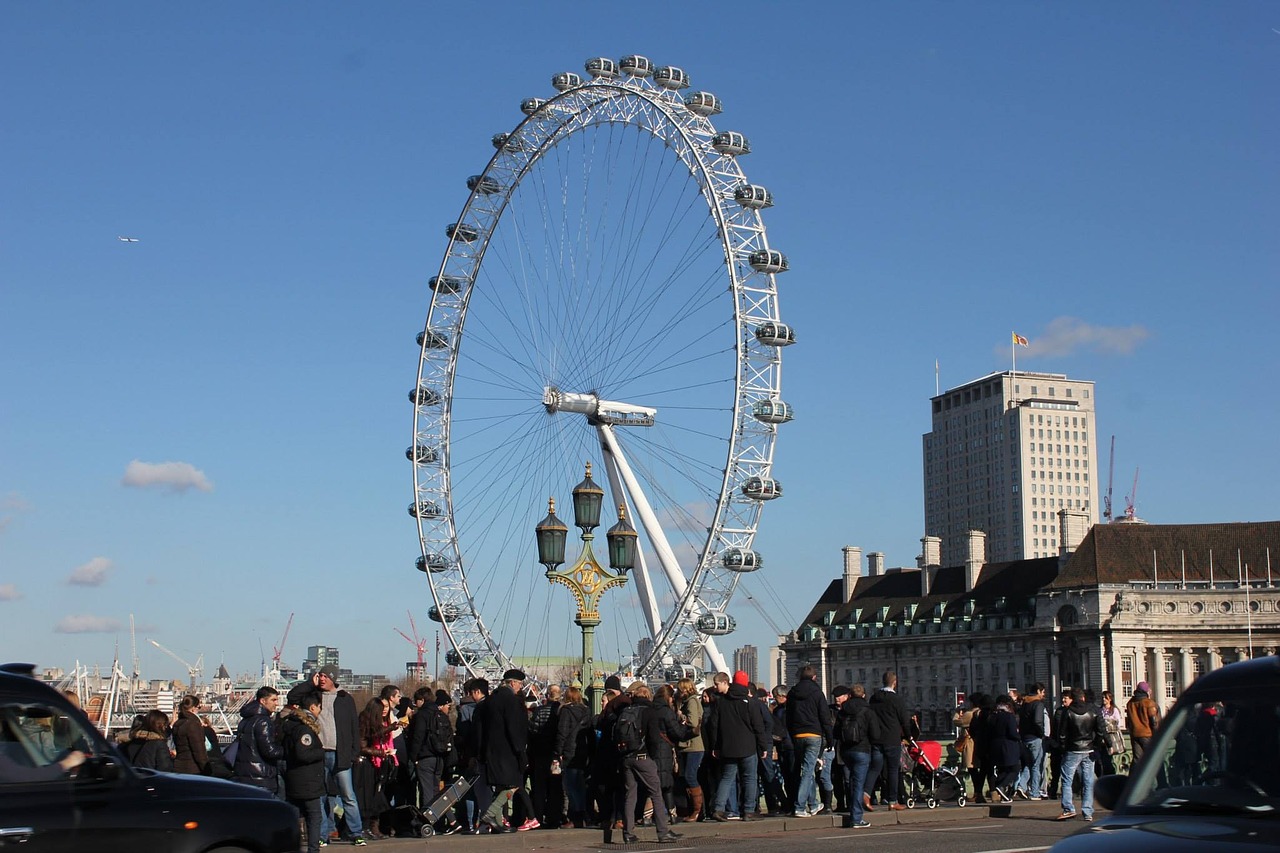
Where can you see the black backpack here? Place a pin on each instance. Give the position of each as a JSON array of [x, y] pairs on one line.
[[628, 731], [853, 727], [440, 734]]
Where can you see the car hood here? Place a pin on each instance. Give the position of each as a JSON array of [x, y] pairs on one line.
[[186, 786], [1176, 834]]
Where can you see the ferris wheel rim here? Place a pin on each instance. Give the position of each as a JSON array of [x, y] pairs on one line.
[[709, 589]]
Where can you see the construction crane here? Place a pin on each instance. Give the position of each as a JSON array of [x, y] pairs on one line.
[[1111, 472], [194, 670], [277, 651], [1131, 501], [418, 642]]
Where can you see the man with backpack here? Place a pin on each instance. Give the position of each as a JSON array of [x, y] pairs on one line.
[[638, 767], [857, 728], [430, 742]]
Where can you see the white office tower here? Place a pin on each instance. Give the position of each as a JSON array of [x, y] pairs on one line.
[[1007, 454]]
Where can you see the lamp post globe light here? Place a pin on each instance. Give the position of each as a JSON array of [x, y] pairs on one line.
[[587, 579]]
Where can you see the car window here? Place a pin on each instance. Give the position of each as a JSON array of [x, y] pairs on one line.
[[34, 736], [1214, 756]]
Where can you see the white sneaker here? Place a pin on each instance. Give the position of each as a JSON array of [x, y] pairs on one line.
[[815, 809], [802, 813]]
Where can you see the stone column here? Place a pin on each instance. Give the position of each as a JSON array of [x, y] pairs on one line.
[[1242, 653], [1186, 671], [1157, 677], [1215, 658]]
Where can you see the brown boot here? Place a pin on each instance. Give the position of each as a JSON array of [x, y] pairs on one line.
[[695, 804]]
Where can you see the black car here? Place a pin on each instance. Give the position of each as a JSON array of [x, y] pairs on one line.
[[104, 804], [1210, 780]]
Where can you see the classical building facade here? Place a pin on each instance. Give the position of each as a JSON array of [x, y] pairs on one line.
[[1005, 454], [1132, 602]]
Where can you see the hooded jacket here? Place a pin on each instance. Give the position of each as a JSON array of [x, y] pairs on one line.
[[808, 712], [148, 749], [191, 755], [259, 753], [304, 756], [895, 722]]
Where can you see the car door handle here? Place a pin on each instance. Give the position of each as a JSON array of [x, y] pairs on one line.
[[15, 834]]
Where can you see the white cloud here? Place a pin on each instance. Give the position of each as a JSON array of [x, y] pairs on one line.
[[9, 592], [86, 624], [171, 476], [92, 573], [1066, 335]]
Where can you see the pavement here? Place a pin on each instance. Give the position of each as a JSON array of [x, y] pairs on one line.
[[712, 832]]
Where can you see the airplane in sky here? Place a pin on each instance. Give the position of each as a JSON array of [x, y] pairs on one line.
[[127, 239]]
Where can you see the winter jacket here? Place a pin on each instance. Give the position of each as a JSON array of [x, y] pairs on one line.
[[606, 762], [346, 723], [691, 707], [304, 756], [808, 711], [895, 722], [191, 756], [1004, 744], [573, 745], [429, 720], [544, 724], [1082, 727], [662, 731], [150, 750], [733, 729], [1143, 715], [259, 754], [1031, 720], [781, 739], [856, 707], [504, 734]]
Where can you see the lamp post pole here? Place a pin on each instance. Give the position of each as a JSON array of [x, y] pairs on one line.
[[587, 579]]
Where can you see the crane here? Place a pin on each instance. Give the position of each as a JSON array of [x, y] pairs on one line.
[[1131, 502], [279, 650], [1111, 472], [194, 670], [417, 641]]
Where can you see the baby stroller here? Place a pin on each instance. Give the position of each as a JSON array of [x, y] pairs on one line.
[[926, 780]]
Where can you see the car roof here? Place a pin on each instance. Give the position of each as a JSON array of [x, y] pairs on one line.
[[1243, 677]]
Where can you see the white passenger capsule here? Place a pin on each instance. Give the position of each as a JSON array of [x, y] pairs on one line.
[[448, 613], [703, 104], [566, 80], [425, 509], [768, 260], [762, 488], [422, 453], [636, 66], [775, 334], [484, 185], [433, 339], [741, 560], [446, 283], [463, 232], [716, 624], [670, 77], [731, 142], [433, 563], [771, 411], [603, 67], [753, 196], [529, 106]]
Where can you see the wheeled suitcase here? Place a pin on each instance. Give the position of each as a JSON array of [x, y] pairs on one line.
[[441, 805]]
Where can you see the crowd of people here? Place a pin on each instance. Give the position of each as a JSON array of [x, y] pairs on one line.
[[518, 758]]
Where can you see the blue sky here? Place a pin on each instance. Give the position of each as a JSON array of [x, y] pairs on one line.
[[1101, 178]]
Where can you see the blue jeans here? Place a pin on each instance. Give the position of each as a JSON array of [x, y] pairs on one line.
[[729, 770], [856, 765], [809, 748], [575, 790], [1031, 779], [341, 780], [1070, 762], [890, 759], [690, 762], [824, 775]]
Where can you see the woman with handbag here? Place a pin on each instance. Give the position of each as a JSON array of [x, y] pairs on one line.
[[1113, 719]]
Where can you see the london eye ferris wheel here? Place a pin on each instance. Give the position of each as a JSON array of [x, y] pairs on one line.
[[607, 294]]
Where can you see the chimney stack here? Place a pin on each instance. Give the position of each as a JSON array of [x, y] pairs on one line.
[[852, 570], [977, 556], [875, 564], [931, 551], [1073, 525]]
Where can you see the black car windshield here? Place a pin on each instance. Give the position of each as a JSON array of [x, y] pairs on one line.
[[1213, 757]]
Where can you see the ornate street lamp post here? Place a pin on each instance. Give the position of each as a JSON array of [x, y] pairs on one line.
[[587, 579]]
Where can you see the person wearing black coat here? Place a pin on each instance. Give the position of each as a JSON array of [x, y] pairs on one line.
[[545, 787], [259, 752], [895, 725], [504, 733], [340, 734], [149, 745], [786, 752], [736, 738], [191, 755], [663, 731], [857, 718], [304, 775], [1004, 749], [574, 738], [639, 767]]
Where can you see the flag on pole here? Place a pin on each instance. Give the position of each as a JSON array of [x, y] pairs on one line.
[[1020, 340]]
